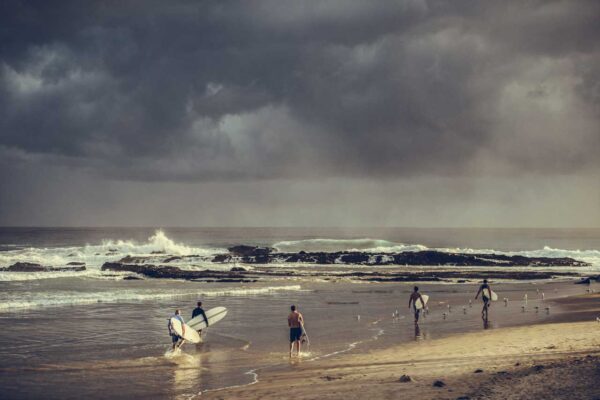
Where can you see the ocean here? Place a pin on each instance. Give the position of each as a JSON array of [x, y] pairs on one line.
[[72, 334]]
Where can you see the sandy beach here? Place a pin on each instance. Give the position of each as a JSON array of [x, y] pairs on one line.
[[555, 360]]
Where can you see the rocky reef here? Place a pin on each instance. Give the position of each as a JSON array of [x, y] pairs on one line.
[[33, 267], [164, 271], [238, 274], [266, 255]]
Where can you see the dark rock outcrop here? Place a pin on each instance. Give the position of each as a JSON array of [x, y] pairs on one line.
[[257, 255], [239, 274], [587, 281], [266, 255], [174, 258], [168, 272], [133, 259], [33, 267], [222, 258]]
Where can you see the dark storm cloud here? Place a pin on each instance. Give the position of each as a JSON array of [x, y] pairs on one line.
[[218, 90]]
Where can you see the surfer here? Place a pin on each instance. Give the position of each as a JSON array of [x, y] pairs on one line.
[[295, 322], [177, 340], [485, 290], [415, 295], [199, 311]]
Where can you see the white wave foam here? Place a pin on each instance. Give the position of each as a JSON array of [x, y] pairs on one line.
[[158, 245], [364, 244], [27, 300]]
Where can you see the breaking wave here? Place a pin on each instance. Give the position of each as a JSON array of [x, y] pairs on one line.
[[95, 255], [330, 245], [159, 247], [383, 246], [27, 300]]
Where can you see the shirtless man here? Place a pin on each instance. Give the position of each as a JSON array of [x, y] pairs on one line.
[[415, 295], [486, 300], [295, 322]]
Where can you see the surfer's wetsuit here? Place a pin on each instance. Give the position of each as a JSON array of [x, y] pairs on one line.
[[199, 311], [483, 296]]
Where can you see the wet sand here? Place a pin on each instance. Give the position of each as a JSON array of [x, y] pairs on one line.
[[553, 360]]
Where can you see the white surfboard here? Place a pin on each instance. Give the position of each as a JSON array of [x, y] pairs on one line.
[[214, 315], [490, 294], [190, 334], [418, 303]]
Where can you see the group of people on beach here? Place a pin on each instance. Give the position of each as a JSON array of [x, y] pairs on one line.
[[295, 319], [484, 289]]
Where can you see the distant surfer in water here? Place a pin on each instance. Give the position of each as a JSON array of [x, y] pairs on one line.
[[199, 311], [295, 322], [177, 340], [485, 291], [415, 295]]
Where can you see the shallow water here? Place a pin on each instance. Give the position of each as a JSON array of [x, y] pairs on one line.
[[80, 351], [92, 334]]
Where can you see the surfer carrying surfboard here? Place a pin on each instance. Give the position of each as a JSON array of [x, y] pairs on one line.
[[414, 297], [177, 340], [485, 291], [295, 323], [200, 311]]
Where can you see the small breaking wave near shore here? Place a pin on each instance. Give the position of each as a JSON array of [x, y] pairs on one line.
[[23, 300]]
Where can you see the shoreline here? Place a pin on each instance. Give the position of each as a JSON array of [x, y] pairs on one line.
[[486, 364]]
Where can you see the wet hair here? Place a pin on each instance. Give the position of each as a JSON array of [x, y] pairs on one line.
[[293, 308], [416, 288], [199, 304], [485, 281]]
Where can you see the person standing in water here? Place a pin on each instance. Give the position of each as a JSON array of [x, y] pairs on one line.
[[200, 311], [176, 339], [485, 291], [415, 295], [295, 323]]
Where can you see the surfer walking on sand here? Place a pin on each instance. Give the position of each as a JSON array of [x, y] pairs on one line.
[[200, 311], [414, 296], [295, 322], [177, 340], [485, 291]]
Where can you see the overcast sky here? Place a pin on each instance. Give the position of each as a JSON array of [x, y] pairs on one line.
[[334, 112]]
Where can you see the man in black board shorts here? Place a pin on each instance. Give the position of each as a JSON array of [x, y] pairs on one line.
[[295, 322]]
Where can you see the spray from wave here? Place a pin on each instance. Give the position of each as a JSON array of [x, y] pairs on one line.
[[93, 256]]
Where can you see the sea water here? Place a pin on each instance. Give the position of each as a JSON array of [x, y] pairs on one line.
[[75, 334]]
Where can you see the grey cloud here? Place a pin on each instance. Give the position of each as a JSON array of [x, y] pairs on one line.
[[218, 90]]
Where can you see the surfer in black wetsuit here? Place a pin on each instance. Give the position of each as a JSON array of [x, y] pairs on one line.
[[485, 291], [199, 311]]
